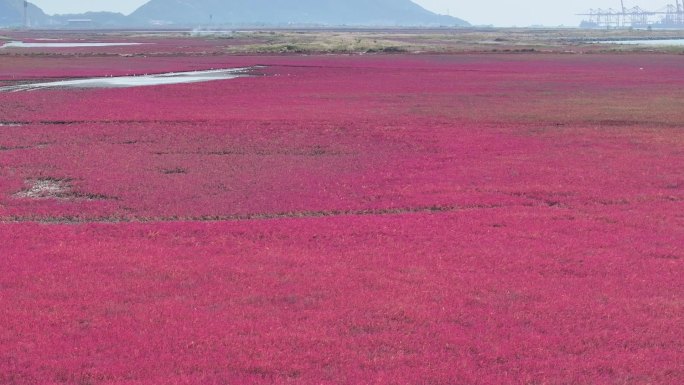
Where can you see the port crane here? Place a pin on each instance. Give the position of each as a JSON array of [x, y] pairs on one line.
[[670, 16]]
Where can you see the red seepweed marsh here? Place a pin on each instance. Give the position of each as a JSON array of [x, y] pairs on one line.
[[481, 218]]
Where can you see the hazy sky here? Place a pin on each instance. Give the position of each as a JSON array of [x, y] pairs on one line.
[[497, 12]]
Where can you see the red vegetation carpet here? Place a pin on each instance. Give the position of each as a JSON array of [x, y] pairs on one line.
[[465, 219]]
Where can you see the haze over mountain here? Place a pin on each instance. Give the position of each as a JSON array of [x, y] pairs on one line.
[[12, 13], [247, 12], [326, 12]]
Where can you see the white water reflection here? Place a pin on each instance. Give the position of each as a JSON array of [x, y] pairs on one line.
[[135, 81], [21, 44], [652, 42]]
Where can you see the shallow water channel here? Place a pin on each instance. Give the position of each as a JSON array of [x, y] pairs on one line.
[[52, 44], [652, 42], [135, 81]]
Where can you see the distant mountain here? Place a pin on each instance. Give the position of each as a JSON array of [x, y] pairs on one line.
[[191, 13], [12, 13], [97, 19], [291, 12]]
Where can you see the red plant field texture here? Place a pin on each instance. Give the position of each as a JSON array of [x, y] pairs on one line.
[[389, 219]]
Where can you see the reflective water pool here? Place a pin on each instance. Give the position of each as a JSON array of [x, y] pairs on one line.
[[20, 44], [657, 42], [135, 81]]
